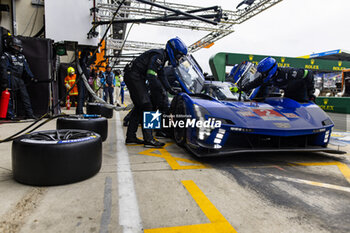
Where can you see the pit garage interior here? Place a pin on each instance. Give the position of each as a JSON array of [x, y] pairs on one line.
[[168, 189]]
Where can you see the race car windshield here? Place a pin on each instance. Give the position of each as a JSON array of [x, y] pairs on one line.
[[189, 74], [221, 91], [248, 73]]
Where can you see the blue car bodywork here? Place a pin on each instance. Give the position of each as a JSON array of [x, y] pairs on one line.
[[275, 124]]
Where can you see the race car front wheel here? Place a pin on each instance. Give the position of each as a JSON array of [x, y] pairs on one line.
[[56, 157], [180, 132]]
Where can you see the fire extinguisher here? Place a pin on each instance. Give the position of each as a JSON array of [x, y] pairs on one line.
[[4, 103], [68, 102]]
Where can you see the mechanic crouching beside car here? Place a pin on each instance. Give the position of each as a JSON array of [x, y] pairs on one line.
[[143, 79], [297, 84]]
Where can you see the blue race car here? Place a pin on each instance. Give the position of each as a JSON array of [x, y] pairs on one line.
[[210, 120]]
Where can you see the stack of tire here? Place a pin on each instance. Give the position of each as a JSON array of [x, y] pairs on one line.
[[69, 154], [93, 123], [56, 157], [99, 109]]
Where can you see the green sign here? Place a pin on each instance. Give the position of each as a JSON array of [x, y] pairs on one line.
[[334, 104], [219, 62]]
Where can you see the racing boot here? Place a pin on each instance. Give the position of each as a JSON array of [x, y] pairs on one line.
[[133, 141], [154, 144], [161, 134]]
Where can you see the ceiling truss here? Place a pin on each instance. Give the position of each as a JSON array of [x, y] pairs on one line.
[[135, 10]]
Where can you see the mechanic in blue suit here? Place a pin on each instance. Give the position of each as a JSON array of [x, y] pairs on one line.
[[142, 77], [298, 84]]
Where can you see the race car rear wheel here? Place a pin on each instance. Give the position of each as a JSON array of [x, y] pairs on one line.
[[180, 132], [92, 123], [56, 157]]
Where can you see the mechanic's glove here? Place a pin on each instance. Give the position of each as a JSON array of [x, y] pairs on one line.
[[234, 89], [67, 86], [173, 91]]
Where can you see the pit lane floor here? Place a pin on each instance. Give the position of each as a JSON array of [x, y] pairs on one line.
[[168, 190]]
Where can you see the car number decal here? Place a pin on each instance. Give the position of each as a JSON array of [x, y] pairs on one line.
[[270, 115]]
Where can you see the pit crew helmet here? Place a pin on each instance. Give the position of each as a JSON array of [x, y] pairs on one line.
[[267, 67], [175, 49], [15, 44], [70, 70]]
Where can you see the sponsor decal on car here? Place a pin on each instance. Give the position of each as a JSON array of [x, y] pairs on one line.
[[291, 115], [282, 125], [246, 114], [270, 115]]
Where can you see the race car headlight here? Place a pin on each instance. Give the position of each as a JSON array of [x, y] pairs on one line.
[[202, 132], [200, 112], [326, 136], [219, 136]]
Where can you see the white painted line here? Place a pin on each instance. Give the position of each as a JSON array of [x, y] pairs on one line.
[[324, 185], [129, 215], [107, 205]]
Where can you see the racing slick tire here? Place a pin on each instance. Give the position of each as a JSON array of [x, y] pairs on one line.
[[56, 157], [92, 123], [99, 109], [179, 108]]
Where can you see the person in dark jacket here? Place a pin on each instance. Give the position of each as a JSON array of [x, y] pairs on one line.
[[297, 84], [143, 79], [14, 70], [108, 81]]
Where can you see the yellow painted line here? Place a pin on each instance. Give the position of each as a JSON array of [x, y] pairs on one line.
[[200, 228], [314, 183], [336, 135], [135, 145], [203, 202], [344, 169], [173, 161], [218, 223]]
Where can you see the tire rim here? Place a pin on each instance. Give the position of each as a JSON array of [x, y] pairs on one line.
[[88, 116], [59, 136]]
